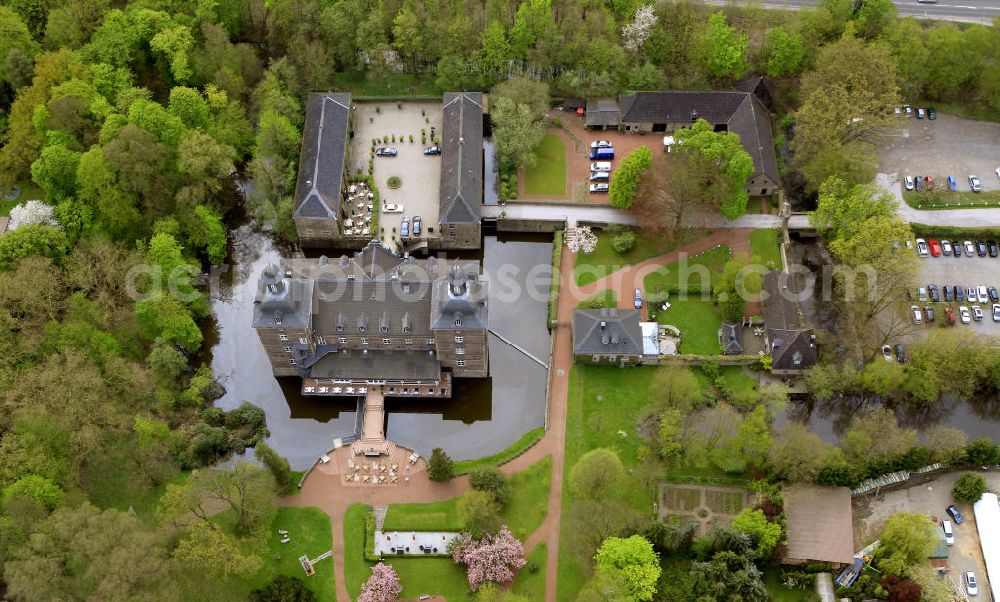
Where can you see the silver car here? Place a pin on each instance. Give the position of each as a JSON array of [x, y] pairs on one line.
[[975, 184]]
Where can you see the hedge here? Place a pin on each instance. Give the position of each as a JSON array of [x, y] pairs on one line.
[[952, 232], [557, 245]]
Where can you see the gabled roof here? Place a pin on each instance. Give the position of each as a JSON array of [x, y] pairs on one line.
[[607, 332], [819, 523], [761, 88], [791, 345], [460, 301], [741, 112], [461, 158], [321, 161], [731, 344]]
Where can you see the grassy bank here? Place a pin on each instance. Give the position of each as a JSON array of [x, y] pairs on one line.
[[557, 250], [605, 260], [766, 244], [605, 298], [309, 531], [942, 199], [528, 583], [517, 448], [694, 272]]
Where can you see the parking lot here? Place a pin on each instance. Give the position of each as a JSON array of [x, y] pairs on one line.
[[871, 512], [947, 146], [964, 271], [420, 175]]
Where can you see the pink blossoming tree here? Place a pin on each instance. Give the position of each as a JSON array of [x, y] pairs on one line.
[[382, 586], [495, 558]]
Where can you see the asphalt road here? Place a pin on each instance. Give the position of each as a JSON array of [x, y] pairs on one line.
[[968, 11]]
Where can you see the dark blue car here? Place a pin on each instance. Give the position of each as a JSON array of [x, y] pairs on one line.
[[955, 515]]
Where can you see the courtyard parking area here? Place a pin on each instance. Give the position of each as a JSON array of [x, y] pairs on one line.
[[419, 175], [965, 272], [947, 146], [871, 512]]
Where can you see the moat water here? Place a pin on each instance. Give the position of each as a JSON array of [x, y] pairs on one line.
[[484, 416]]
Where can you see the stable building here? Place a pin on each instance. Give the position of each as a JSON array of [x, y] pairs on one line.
[[374, 319], [461, 171]]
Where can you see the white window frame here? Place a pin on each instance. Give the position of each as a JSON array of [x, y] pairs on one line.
[[460, 363], [282, 337]]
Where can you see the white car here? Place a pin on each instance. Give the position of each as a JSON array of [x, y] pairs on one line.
[[598, 188], [970, 249], [921, 247], [964, 314], [997, 170], [970, 583], [949, 534], [945, 247], [601, 144], [975, 184], [977, 313], [392, 208], [918, 317], [908, 182], [887, 353], [982, 295]]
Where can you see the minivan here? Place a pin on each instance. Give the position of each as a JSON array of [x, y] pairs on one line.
[[602, 154], [600, 176], [949, 535], [600, 166]]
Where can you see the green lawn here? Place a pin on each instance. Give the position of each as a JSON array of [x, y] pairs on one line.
[[699, 322], [436, 516], [388, 84], [548, 175], [517, 448], [736, 380], [942, 199], [591, 423], [698, 270], [29, 191], [434, 576], [605, 260], [778, 592], [605, 298], [765, 244], [530, 584], [309, 531]]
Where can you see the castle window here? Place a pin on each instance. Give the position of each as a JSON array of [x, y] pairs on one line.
[[459, 351], [458, 322], [291, 361], [430, 341], [459, 339], [288, 349], [342, 340], [362, 328], [277, 319], [407, 341], [364, 340], [303, 341], [386, 341], [461, 363], [282, 337], [340, 328], [384, 329]]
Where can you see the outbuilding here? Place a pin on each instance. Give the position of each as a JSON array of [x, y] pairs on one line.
[[987, 511]]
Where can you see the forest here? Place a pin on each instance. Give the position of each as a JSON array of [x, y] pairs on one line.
[[143, 127]]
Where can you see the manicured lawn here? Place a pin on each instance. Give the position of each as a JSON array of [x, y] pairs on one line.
[[29, 191], [698, 270], [605, 260], [606, 298], [943, 199], [434, 576], [516, 449], [736, 380], [765, 245], [779, 593], [548, 175], [530, 584], [387, 84], [699, 322], [309, 531], [436, 516], [603, 400], [529, 498]]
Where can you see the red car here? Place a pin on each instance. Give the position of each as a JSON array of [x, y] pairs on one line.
[[935, 248]]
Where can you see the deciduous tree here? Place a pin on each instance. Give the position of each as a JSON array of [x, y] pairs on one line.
[[725, 49], [766, 534], [722, 164], [441, 467], [633, 560], [207, 548], [596, 475], [480, 513], [382, 586], [969, 487], [495, 558], [785, 51], [906, 541]]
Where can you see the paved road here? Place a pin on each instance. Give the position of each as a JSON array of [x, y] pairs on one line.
[[960, 218], [967, 11], [603, 214]]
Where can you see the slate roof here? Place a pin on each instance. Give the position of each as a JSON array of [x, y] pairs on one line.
[[365, 306], [741, 112], [290, 300], [603, 112], [761, 88], [461, 296], [607, 332], [377, 364], [819, 523], [325, 136], [731, 344], [461, 158], [791, 345]]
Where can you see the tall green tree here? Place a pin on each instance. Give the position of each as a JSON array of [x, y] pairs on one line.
[[784, 50], [906, 541], [722, 164], [725, 49], [634, 561], [621, 192]]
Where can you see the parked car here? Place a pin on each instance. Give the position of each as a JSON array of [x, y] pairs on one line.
[[977, 313], [982, 294], [945, 247], [993, 293], [921, 247], [921, 113], [991, 248], [975, 184], [970, 583], [392, 208], [922, 294], [948, 295], [981, 248], [949, 533], [918, 317], [969, 249], [966, 317], [898, 112], [935, 247], [432, 150], [929, 182], [887, 353], [955, 514], [959, 294], [919, 182], [602, 154], [971, 294], [931, 113], [601, 144], [929, 313], [598, 188], [600, 166], [385, 151], [637, 298], [932, 292], [416, 226], [908, 110], [948, 311], [404, 227], [908, 182], [996, 312], [952, 184], [600, 176], [900, 353]]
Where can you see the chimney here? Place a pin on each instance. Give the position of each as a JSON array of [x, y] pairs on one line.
[[458, 286]]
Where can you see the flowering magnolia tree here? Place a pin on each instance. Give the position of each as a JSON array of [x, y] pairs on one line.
[[382, 586], [31, 213], [635, 33], [581, 240], [495, 558]]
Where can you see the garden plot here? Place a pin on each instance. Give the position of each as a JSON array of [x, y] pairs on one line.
[[711, 506]]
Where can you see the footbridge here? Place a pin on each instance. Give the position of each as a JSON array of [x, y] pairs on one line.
[[559, 214]]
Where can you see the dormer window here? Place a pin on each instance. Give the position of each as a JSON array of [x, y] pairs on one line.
[[384, 329], [458, 323], [340, 328], [277, 319], [362, 328]]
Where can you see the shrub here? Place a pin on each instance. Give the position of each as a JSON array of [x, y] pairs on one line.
[[283, 589], [394, 182], [441, 467], [490, 480], [623, 241], [969, 487]]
